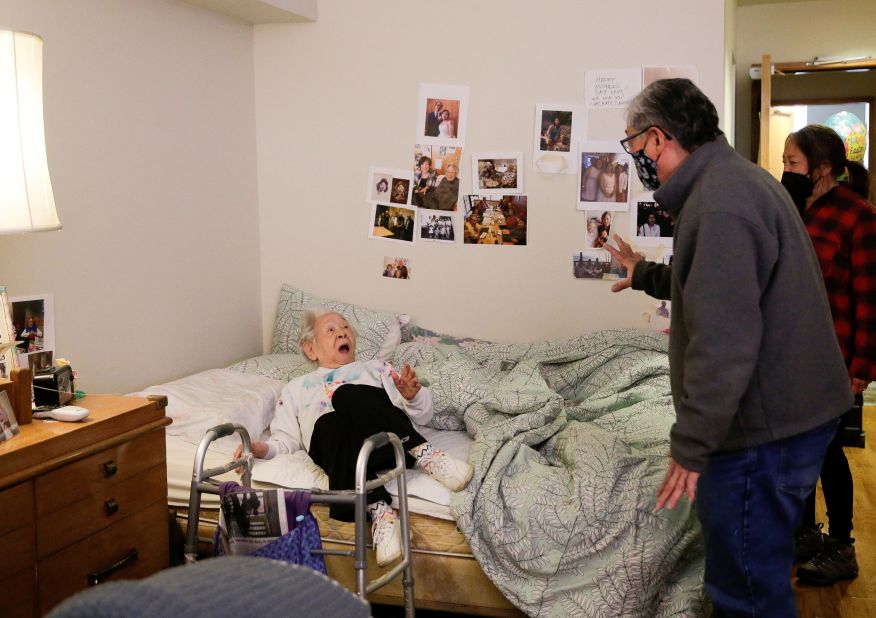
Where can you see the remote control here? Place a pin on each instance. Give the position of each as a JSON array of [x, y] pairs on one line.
[[66, 413]]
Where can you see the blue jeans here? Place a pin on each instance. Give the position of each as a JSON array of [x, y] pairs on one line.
[[749, 503]]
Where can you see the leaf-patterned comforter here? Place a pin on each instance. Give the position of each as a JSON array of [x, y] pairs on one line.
[[570, 446]]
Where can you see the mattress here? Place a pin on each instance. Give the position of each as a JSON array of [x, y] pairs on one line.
[[447, 575]]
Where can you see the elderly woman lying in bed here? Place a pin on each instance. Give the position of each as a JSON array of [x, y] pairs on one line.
[[332, 410]]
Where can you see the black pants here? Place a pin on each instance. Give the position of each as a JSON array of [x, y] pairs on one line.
[[360, 412], [838, 489]]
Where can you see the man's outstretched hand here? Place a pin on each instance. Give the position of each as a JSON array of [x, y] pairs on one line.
[[628, 259]]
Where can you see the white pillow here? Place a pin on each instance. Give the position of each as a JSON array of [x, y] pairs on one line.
[[379, 332]]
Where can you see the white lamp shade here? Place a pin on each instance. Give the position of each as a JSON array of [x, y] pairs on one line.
[[26, 200]]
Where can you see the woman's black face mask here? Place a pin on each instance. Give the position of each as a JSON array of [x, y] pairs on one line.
[[800, 188]]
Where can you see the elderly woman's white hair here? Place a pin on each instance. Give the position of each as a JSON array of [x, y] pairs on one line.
[[308, 324]]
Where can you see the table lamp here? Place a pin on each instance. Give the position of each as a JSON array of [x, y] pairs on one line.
[[26, 200]]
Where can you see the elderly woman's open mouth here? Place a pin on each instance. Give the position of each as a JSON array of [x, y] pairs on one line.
[[344, 347]]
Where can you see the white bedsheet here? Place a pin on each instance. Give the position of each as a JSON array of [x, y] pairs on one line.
[[209, 398]]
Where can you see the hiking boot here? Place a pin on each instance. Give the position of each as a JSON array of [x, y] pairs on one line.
[[451, 472], [808, 542], [834, 563], [386, 534]]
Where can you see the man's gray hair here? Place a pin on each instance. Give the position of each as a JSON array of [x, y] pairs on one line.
[[308, 324], [677, 107]]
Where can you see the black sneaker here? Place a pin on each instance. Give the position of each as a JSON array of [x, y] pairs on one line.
[[808, 542], [836, 562]]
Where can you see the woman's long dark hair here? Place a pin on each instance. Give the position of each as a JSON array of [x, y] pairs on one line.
[[820, 144]]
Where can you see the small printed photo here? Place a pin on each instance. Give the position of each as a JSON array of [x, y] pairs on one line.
[[8, 424], [556, 130], [33, 323], [442, 118], [598, 231], [663, 309], [396, 267], [401, 189], [436, 178], [653, 226], [604, 179], [443, 110], [559, 128], [495, 220], [436, 225], [380, 188], [388, 186], [40, 361], [596, 264], [392, 223], [497, 173]]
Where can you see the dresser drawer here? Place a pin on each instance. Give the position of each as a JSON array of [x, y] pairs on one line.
[[18, 594], [16, 550], [109, 504], [91, 475], [143, 534], [16, 507]]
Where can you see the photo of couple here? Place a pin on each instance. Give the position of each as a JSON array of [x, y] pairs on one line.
[[442, 118]]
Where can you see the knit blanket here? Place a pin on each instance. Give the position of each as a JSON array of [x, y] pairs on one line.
[[571, 443]]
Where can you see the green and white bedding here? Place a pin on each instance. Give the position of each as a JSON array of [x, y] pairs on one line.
[[570, 447]]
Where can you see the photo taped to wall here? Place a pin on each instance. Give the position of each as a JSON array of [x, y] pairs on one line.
[[497, 173], [436, 225], [386, 185], [596, 264], [651, 225], [436, 177], [392, 223], [603, 176], [443, 109], [495, 220], [396, 267]]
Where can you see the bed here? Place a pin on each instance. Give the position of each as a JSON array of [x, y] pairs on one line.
[[568, 442]]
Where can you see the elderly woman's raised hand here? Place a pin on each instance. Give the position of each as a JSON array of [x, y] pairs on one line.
[[406, 383]]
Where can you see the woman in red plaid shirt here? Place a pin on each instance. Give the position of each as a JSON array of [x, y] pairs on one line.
[[842, 225]]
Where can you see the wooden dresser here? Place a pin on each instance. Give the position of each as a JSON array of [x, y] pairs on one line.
[[82, 503]]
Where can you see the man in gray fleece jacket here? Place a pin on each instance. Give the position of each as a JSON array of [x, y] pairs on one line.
[[758, 380]]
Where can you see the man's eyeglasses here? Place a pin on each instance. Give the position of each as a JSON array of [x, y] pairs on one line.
[[625, 143]]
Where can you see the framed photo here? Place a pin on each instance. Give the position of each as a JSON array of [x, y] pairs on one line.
[[650, 225], [443, 110], [33, 319], [558, 129], [389, 186], [497, 173], [395, 223], [8, 424], [9, 354], [604, 177]]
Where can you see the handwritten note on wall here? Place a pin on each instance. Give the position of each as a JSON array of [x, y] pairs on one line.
[[612, 88]]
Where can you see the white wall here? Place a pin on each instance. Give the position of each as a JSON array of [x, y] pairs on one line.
[[338, 95], [795, 32], [150, 129]]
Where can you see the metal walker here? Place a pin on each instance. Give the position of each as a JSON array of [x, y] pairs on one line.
[[203, 482]]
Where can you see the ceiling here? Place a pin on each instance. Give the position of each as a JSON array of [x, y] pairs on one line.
[[263, 11]]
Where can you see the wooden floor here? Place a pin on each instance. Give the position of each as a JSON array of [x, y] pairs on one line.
[[857, 598]]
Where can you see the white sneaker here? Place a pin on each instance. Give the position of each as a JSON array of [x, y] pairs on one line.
[[386, 534], [451, 472]]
